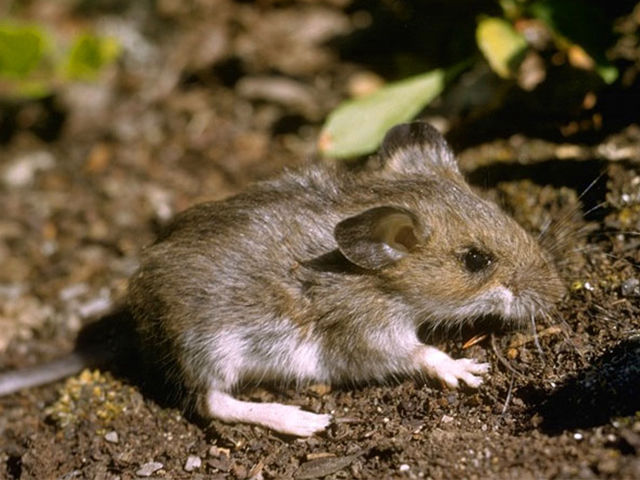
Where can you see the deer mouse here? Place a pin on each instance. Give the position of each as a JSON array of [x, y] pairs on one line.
[[325, 275]]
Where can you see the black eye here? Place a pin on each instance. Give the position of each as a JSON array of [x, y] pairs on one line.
[[476, 260]]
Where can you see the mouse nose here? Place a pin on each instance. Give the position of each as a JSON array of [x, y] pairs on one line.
[[501, 301], [506, 298]]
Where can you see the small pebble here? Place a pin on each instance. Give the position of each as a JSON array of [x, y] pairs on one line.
[[95, 306], [215, 451], [73, 291], [22, 171], [446, 419], [320, 388], [149, 469], [630, 288], [193, 462], [111, 437], [404, 467]]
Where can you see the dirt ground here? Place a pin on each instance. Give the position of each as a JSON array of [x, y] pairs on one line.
[[210, 96]]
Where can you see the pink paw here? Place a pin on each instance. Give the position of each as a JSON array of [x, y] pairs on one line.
[[440, 365]]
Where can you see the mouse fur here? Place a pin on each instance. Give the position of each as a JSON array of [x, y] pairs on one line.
[[326, 275]]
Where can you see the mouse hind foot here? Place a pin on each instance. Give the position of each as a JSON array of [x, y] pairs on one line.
[[287, 419]]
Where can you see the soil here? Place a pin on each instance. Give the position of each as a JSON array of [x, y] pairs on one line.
[[206, 99]]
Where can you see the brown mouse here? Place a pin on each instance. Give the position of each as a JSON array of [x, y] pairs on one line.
[[325, 275]]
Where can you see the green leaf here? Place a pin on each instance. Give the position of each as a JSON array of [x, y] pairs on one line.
[[583, 23], [503, 47], [89, 54], [607, 72], [21, 49], [357, 126]]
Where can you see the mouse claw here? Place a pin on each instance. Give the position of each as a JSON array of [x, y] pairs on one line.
[[440, 365], [471, 372]]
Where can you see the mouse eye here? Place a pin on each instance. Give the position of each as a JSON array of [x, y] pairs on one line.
[[476, 260]]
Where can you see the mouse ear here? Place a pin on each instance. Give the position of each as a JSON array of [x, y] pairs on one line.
[[378, 237], [416, 147]]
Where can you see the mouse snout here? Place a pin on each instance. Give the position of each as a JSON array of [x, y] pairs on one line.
[[535, 288], [504, 301]]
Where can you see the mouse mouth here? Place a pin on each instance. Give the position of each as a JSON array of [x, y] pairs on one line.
[[492, 323], [476, 329]]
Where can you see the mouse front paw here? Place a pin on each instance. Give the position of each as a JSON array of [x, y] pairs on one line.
[[440, 365]]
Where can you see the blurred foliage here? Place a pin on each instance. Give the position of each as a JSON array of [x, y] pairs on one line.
[[373, 114], [507, 33], [502, 46], [32, 62], [21, 49], [89, 54]]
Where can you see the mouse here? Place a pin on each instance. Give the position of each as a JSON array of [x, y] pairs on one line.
[[326, 275]]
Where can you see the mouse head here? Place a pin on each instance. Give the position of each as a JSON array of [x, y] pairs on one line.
[[451, 255]]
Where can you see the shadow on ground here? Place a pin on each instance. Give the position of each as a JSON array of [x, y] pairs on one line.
[[609, 388]]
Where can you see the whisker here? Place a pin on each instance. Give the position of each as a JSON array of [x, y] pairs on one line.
[[536, 340], [566, 329], [509, 392], [557, 224], [596, 207], [592, 184], [560, 236], [558, 228], [562, 221], [503, 360], [568, 259], [558, 247]]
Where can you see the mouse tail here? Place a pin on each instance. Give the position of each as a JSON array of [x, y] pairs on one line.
[[36, 376]]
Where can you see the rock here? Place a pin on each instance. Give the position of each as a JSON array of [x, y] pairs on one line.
[[193, 462], [630, 288], [446, 419], [73, 291], [21, 171], [322, 467], [95, 306], [149, 469], [216, 451], [111, 437]]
